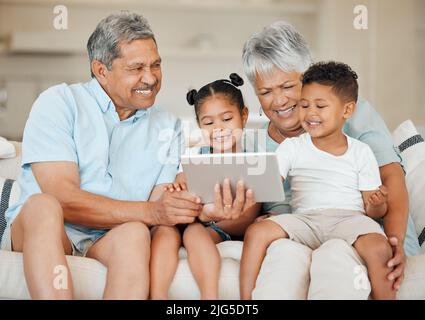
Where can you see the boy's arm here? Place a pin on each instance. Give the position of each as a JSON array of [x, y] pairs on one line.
[[375, 202]]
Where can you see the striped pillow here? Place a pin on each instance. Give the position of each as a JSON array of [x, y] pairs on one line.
[[412, 149], [6, 186]]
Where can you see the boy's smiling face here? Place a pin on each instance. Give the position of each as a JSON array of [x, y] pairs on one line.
[[322, 112]]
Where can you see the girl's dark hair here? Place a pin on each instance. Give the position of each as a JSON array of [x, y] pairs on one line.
[[227, 88]]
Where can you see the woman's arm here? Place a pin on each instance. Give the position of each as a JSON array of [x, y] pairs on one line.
[[395, 221]]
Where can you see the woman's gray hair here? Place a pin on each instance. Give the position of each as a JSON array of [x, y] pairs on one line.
[[104, 43], [277, 45]]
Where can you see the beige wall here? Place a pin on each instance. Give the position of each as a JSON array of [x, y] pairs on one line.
[[388, 56]]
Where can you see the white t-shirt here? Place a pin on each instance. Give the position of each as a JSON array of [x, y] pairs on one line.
[[320, 180]]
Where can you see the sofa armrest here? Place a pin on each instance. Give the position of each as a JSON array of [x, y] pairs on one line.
[[11, 168]]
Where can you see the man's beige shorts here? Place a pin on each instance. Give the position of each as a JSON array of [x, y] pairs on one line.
[[313, 228]]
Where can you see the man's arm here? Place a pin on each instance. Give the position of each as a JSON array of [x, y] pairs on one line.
[[61, 180]]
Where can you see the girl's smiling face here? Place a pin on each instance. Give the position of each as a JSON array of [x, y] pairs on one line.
[[222, 123]]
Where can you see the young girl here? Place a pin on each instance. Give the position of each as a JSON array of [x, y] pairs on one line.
[[222, 115]]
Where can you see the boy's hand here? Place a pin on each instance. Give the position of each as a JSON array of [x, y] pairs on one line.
[[379, 197]]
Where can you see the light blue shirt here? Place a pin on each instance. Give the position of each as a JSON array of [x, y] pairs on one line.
[[122, 160], [367, 126]]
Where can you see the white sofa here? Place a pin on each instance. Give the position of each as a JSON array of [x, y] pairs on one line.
[[89, 275]]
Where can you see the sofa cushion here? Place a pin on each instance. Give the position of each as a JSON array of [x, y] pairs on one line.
[[7, 149], [89, 276], [412, 148], [11, 168]]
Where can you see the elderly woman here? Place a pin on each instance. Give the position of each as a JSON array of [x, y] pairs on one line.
[[274, 61]]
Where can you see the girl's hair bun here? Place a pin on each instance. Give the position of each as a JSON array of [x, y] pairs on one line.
[[191, 96], [236, 80]]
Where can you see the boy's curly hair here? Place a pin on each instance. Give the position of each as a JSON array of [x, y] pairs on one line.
[[337, 75]]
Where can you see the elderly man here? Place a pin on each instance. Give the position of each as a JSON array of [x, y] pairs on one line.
[[274, 60], [95, 158]]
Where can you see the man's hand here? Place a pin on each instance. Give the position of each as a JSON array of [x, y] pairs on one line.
[[398, 262], [176, 207], [225, 207]]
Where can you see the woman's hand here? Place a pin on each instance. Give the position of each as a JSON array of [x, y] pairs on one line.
[[398, 262], [226, 207]]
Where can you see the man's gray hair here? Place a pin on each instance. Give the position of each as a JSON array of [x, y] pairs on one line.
[[277, 45], [104, 43]]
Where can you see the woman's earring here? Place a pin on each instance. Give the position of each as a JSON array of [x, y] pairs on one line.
[[261, 112]]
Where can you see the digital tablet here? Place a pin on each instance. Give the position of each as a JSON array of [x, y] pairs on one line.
[[259, 171]]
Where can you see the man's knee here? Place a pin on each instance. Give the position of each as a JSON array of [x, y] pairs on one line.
[[41, 210], [130, 234]]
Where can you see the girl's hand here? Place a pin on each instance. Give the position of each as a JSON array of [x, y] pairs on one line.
[[176, 186], [207, 213]]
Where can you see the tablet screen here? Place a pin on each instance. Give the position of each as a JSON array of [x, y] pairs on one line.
[[259, 171]]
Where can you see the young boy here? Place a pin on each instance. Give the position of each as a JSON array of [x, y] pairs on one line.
[[335, 183]]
